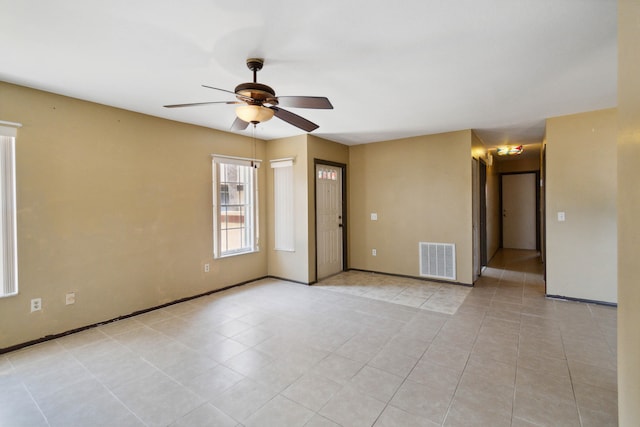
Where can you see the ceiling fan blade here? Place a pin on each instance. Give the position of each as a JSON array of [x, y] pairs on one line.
[[294, 119], [239, 124], [217, 88], [195, 104], [316, 102], [246, 98]]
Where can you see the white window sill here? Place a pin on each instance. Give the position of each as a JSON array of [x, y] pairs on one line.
[[229, 255]]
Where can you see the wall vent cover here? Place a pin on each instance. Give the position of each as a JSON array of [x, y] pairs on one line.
[[438, 260]]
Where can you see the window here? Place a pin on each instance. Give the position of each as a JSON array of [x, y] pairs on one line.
[[284, 238], [235, 206], [8, 252]]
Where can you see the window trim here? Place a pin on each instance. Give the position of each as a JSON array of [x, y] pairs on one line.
[[254, 229]]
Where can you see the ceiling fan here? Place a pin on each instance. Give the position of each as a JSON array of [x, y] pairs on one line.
[[257, 102]]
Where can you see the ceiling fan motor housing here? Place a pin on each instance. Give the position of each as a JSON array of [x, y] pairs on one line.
[[257, 91]]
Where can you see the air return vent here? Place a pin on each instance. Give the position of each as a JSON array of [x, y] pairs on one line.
[[438, 260]]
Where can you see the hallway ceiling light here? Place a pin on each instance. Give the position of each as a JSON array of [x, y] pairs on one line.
[[510, 150]]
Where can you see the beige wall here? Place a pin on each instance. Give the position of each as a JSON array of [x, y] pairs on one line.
[[421, 190], [581, 181], [283, 264], [528, 164], [300, 265], [113, 205], [628, 212], [321, 149]]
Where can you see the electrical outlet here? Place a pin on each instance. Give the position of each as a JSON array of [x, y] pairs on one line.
[[70, 298], [36, 304], [207, 267], [374, 252]]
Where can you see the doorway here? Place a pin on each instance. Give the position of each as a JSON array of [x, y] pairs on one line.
[[519, 199], [330, 218]]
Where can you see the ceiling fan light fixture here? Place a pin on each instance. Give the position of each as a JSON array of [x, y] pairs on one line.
[[254, 113]]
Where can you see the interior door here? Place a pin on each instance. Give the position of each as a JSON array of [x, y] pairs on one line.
[[519, 211], [329, 220]]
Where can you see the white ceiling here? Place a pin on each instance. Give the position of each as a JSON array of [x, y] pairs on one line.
[[391, 69]]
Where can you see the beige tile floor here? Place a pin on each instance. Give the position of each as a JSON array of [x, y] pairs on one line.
[[423, 294], [274, 353]]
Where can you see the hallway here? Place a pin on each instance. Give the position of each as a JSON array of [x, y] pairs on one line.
[[564, 353]]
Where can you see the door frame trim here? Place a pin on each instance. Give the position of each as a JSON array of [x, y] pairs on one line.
[[484, 257], [343, 167]]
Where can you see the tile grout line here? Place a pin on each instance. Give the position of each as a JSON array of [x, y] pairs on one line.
[[407, 377], [108, 389]]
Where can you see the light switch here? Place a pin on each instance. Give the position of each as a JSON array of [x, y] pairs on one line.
[[561, 216], [374, 216]]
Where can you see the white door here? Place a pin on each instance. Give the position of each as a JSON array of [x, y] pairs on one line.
[[519, 211], [329, 221]]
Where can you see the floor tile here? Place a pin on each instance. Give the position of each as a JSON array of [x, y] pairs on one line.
[[157, 400], [213, 382], [337, 368], [430, 374], [189, 366], [18, 407], [467, 412], [394, 362], [312, 390], [447, 356], [248, 362], [359, 349], [479, 393], [376, 383], [545, 385], [86, 403], [394, 417], [597, 399], [41, 380], [428, 401], [243, 399], [278, 375], [545, 412], [43, 352], [119, 368], [594, 375], [591, 418], [350, 407], [280, 411], [492, 370], [82, 339], [320, 421]]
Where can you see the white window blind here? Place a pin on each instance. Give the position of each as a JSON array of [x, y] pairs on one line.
[[284, 238], [8, 235]]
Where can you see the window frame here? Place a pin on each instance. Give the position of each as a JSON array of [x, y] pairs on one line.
[[251, 208]]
